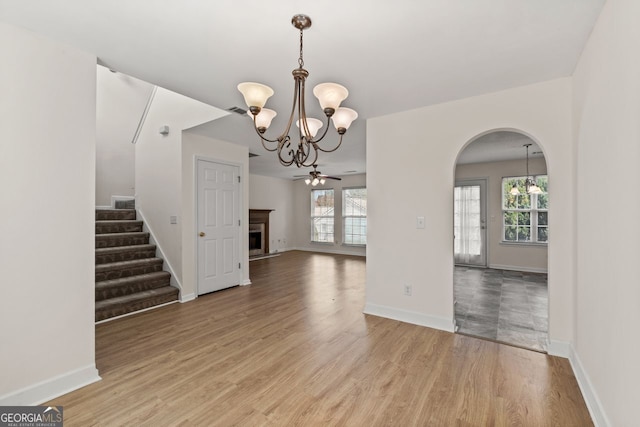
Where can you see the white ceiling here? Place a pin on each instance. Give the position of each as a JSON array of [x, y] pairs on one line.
[[499, 146], [392, 56]]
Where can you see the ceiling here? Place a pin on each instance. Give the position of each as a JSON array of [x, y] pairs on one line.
[[499, 146], [392, 56]]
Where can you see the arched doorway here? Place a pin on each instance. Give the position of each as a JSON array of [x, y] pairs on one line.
[[500, 240]]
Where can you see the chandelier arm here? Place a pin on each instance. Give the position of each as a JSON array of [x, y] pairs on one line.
[[324, 133], [293, 108], [315, 158], [284, 143], [302, 114], [333, 149], [306, 152], [262, 138]]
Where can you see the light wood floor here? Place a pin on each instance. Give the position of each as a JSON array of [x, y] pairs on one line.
[[295, 349]]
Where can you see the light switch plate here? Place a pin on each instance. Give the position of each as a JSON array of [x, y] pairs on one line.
[[420, 222]]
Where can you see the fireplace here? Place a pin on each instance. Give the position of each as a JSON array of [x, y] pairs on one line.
[[259, 232], [256, 239]]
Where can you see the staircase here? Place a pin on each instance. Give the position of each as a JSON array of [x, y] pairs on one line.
[[129, 277]]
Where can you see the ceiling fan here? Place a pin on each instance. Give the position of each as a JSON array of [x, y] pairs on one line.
[[316, 177]]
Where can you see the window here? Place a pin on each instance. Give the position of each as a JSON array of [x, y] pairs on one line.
[[322, 216], [525, 216], [354, 215]]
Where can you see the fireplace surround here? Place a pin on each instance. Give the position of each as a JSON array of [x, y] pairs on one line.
[[259, 232]]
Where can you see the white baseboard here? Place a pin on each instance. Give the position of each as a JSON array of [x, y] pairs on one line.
[[44, 391], [246, 282], [598, 415], [407, 316], [328, 250], [596, 410], [187, 297], [518, 268], [559, 348]]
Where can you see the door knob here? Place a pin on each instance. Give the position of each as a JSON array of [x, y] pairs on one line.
[[202, 234]]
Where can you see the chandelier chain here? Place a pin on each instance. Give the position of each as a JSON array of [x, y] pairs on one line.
[[300, 60]]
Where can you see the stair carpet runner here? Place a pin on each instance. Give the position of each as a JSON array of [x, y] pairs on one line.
[[129, 276]]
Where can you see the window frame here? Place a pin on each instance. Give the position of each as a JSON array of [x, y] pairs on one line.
[[345, 217], [312, 226], [533, 212]]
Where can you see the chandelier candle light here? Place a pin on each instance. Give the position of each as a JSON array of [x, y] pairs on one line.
[[304, 152]]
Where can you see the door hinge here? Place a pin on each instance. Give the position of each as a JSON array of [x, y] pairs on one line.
[[238, 178], [238, 222], [239, 265]]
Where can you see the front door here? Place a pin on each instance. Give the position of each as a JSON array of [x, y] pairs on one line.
[[218, 208], [470, 224]]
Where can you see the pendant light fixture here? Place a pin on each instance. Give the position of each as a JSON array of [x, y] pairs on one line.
[[303, 151], [529, 183]]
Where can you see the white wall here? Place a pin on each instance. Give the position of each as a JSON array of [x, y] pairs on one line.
[[197, 146], [421, 181], [120, 102], [607, 131], [158, 169], [302, 215], [275, 193], [500, 255], [47, 167]]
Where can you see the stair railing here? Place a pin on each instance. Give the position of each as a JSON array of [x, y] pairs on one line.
[[144, 115]]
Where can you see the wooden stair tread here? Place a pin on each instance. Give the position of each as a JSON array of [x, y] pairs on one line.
[[132, 279], [147, 246], [118, 221], [119, 306], [165, 290], [127, 234], [128, 264]]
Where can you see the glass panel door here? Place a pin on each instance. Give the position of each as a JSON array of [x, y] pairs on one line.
[[469, 223]]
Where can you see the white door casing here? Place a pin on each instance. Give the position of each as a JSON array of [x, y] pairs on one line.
[[218, 221]]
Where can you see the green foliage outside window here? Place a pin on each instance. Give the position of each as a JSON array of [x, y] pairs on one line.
[[525, 216]]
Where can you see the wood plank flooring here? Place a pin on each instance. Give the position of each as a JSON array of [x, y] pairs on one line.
[[295, 349]]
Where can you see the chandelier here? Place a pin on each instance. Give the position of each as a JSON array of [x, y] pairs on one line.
[[529, 183], [303, 151]]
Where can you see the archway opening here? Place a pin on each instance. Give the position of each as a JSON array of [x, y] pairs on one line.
[[500, 240]]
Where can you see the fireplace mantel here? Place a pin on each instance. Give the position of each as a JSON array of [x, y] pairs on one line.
[[261, 216]]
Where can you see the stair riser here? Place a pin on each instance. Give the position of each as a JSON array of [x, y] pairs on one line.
[[114, 227], [115, 240], [128, 272], [120, 309], [115, 215], [127, 255], [121, 290]]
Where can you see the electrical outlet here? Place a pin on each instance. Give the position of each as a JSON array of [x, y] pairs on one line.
[[407, 290]]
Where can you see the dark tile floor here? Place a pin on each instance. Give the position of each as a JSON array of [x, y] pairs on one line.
[[502, 305]]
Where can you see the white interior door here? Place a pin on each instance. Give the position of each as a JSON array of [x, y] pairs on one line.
[[218, 208], [470, 223]]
